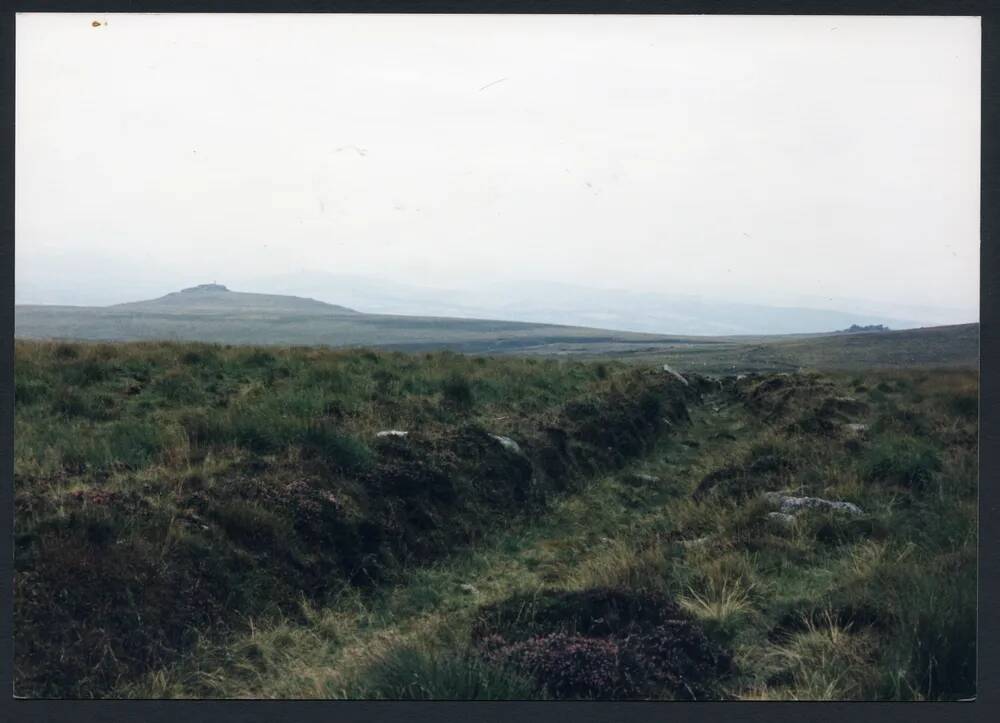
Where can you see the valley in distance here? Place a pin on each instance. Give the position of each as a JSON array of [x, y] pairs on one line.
[[222, 494]]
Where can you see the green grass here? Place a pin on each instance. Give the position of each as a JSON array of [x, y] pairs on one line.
[[245, 534], [408, 671]]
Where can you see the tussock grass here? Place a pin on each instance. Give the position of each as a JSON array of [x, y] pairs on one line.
[[410, 671], [618, 563], [721, 603], [824, 660]]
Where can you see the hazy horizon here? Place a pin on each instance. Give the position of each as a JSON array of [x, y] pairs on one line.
[[788, 161], [555, 303]]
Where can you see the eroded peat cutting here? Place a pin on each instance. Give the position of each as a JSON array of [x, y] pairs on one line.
[[197, 520]]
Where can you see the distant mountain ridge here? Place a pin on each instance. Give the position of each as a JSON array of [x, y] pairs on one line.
[[213, 313], [217, 299]]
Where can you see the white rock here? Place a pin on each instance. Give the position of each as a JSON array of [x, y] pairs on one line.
[[507, 443], [669, 370], [469, 588], [647, 478], [391, 433], [794, 505], [856, 427], [696, 542]]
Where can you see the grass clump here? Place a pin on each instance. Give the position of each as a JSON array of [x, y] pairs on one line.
[[901, 460], [410, 671], [720, 603], [824, 660], [457, 392]]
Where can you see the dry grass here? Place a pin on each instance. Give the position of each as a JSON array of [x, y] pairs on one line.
[[825, 660], [719, 602]]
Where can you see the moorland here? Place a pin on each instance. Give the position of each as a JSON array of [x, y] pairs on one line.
[[212, 520]]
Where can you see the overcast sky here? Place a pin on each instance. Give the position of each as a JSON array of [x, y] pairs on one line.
[[754, 158]]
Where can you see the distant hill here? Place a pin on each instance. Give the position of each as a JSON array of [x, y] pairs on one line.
[[213, 313], [217, 299]]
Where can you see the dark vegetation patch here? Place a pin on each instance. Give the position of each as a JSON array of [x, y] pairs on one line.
[[804, 403], [965, 405], [409, 672], [457, 392], [831, 528], [603, 643], [929, 633], [777, 395], [894, 419], [763, 469], [65, 351], [901, 460]]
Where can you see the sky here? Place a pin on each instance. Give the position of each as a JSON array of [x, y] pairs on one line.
[[747, 158]]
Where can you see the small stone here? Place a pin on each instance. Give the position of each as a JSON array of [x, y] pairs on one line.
[[468, 588], [790, 505], [696, 542], [795, 504], [642, 477], [391, 433], [507, 443], [667, 368], [782, 518]]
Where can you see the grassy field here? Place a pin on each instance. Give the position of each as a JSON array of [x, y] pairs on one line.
[[196, 520], [947, 347]]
